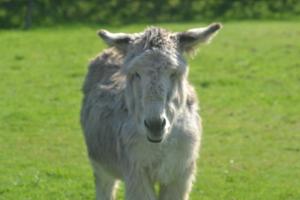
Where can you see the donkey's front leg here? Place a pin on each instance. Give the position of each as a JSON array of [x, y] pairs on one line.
[[139, 187], [180, 188]]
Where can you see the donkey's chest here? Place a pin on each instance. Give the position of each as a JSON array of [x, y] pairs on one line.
[[170, 164], [164, 162]]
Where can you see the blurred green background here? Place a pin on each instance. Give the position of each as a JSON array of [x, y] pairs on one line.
[[247, 80], [24, 13]]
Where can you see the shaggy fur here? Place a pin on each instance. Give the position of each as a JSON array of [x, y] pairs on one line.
[[142, 76]]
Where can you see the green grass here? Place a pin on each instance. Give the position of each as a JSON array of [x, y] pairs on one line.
[[248, 82]]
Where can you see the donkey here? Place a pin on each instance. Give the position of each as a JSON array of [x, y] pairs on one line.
[[140, 114]]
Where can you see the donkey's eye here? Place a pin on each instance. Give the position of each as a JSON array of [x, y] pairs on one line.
[[173, 75], [137, 75]]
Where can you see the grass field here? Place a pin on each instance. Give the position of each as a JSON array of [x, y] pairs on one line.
[[248, 82]]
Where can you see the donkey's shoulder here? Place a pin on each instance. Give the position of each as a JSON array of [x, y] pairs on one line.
[[102, 68]]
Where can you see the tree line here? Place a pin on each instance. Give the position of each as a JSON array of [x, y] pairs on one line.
[[27, 13]]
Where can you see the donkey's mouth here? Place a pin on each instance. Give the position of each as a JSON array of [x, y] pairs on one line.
[[154, 141]]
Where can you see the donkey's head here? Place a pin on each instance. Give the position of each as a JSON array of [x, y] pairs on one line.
[[156, 74]]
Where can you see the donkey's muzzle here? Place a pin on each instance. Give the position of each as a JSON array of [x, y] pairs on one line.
[[155, 126], [156, 129]]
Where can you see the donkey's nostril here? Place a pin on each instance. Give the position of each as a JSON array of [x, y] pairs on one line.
[[146, 124], [155, 125]]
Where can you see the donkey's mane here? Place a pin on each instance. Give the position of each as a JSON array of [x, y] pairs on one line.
[[154, 37]]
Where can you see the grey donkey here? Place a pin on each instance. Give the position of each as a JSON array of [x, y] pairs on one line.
[[140, 114]]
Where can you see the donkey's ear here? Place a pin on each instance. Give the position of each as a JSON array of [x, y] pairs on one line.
[[118, 40], [192, 37]]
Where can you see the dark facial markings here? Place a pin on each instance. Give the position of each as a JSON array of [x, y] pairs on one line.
[[137, 75]]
